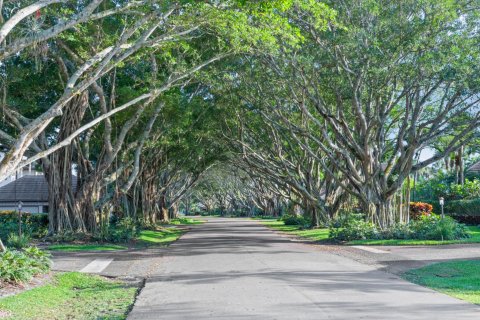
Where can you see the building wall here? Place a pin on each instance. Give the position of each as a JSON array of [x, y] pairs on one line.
[[34, 207]]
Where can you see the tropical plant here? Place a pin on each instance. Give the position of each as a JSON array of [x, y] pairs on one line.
[[21, 266], [419, 209]]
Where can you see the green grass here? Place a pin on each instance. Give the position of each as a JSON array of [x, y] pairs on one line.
[[146, 238], [322, 235], [185, 221], [86, 247], [460, 279], [311, 234], [474, 233], [72, 296], [159, 237]]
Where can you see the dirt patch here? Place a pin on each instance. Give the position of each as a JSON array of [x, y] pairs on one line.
[[7, 289]]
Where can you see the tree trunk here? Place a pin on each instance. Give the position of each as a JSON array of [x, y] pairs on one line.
[[379, 210], [461, 165], [174, 211], [62, 214], [164, 216]]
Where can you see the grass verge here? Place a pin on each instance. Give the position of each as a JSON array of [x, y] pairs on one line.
[[86, 247], [158, 237], [146, 238], [72, 296], [320, 234], [474, 233], [460, 279], [185, 221]]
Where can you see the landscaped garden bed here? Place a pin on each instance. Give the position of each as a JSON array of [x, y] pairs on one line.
[[144, 238], [428, 231]]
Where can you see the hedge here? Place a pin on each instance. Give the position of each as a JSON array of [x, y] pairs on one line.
[[466, 211], [33, 224]]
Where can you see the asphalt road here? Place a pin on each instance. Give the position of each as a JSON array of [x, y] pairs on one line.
[[238, 269]]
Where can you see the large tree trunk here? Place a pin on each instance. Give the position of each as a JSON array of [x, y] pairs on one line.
[[380, 211], [174, 211], [84, 206], [62, 213], [164, 216]]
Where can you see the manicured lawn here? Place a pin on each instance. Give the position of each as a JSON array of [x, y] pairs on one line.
[[72, 296], [86, 247], [162, 237], [311, 234], [185, 221], [474, 233], [460, 279], [146, 238]]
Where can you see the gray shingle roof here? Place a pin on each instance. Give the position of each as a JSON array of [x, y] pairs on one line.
[[28, 188], [475, 167]]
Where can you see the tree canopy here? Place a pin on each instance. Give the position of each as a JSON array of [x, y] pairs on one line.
[[250, 106]]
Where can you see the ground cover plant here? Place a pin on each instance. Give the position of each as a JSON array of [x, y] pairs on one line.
[[425, 227], [359, 232], [125, 234], [17, 267], [459, 279], [473, 233], [72, 296]]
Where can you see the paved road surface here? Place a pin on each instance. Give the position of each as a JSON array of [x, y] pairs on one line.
[[238, 269]]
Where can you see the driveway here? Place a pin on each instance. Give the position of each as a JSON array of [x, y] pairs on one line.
[[238, 269]]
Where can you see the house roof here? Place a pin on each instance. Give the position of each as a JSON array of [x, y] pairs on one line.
[[29, 188], [475, 167]]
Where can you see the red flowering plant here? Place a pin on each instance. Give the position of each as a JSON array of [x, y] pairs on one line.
[[420, 209]]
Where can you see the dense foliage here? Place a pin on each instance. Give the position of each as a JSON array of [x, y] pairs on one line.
[[32, 225], [137, 110], [426, 227], [21, 266]]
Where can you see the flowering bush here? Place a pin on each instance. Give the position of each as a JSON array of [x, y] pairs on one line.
[[420, 209]]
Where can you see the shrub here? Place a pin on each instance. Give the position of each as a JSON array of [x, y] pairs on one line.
[[21, 266], [426, 227], [69, 236], [433, 227], [294, 220], [466, 211], [123, 231], [398, 231], [18, 242], [419, 209], [353, 227], [40, 260], [32, 224]]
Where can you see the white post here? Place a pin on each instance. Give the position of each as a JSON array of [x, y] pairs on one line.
[[442, 202]]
